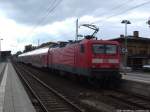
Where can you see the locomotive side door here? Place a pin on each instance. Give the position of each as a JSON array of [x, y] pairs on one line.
[[76, 56], [81, 58], [49, 58]]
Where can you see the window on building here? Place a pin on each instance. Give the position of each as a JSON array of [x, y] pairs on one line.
[[130, 51], [143, 52]]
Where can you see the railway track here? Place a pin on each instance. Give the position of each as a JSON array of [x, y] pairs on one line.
[[113, 98], [49, 100], [138, 102]]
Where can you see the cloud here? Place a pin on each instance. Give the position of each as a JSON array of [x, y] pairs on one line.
[[10, 31], [19, 20], [30, 12]]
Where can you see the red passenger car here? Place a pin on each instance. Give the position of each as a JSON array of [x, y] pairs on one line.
[[92, 58], [36, 57]]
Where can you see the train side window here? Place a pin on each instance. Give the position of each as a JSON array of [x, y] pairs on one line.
[[82, 48]]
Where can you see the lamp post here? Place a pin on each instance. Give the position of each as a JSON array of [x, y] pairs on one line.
[[76, 37], [126, 22], [148, 22]]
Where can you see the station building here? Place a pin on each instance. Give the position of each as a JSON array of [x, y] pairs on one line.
[[4, 55], [138, 50]]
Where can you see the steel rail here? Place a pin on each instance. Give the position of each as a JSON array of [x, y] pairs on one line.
[[136, 101], [54, 91], [30, 89]]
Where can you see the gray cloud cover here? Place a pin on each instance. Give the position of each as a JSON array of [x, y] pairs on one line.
[[30, 12]]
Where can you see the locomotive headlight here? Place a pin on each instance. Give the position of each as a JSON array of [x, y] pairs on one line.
[[113, 60], [96, 60]]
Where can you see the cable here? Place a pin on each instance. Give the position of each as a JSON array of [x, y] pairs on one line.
[[121, 13], [114, 8], [49, 10], [137, 6], [117, 7]]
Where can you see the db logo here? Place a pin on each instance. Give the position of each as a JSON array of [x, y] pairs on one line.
[[124, 50]]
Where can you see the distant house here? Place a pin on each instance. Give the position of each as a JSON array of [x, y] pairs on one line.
[[138, 50]]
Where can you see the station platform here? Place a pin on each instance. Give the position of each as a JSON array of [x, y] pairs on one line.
[[143, 77], [13, 97]]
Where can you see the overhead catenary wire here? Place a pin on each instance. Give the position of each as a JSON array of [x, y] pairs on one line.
[[50, 10], [52, 6], [117, 7], [122, 12], [57, 2]]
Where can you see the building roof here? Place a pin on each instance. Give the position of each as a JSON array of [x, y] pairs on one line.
[[133, 38]]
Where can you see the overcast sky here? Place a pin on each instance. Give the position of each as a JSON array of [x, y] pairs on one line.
[[26, 22]]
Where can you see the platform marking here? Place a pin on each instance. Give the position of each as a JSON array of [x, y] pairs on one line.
[[2, 88], [136, 78]]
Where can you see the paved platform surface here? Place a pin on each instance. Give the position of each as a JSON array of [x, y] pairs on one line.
[[138, 77], [13, 97]]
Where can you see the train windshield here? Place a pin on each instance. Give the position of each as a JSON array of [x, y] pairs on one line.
[[104, 49]]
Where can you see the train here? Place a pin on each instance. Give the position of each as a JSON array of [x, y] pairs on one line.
[[92, 59]]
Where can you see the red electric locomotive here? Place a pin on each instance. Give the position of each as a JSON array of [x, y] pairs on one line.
[[96, 59]]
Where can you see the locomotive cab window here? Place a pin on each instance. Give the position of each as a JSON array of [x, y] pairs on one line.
[[111, 49], [97, 48], [104, 49], [82, 49]]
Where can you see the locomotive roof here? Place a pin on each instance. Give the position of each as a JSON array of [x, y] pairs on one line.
[[36, 52], [100, 41]]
